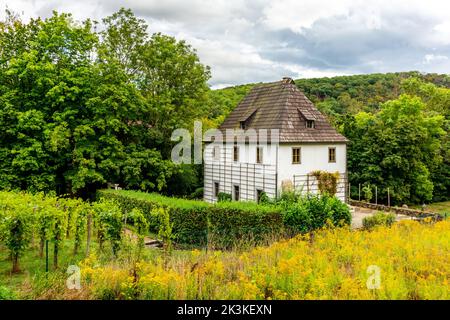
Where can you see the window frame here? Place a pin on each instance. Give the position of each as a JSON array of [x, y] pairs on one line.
[[216, 153], [293, 157], [312, 122], [329, 155], [259, 155], [259, 192], [236, 153], [216, 188], [238, 192]]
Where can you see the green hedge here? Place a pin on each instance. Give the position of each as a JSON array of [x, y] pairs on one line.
[[225, 222], [234, 222], [189, 217]]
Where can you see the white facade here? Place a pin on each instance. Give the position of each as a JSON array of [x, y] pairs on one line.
[[246, 176]]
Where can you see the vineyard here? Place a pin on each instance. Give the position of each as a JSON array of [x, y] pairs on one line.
[[329, 263]]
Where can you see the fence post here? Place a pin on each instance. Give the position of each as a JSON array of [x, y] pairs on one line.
[[389, 198], [359, 192], [349, 191], [376, 195]]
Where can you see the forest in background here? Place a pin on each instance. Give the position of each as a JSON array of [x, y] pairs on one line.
[[397, 123]]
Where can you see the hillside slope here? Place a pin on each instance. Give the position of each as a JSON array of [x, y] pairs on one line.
[[336, 95]]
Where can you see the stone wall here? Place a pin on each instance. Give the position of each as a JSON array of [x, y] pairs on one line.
[[396, 210]]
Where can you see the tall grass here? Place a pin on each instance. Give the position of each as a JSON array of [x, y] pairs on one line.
[[413, 259]]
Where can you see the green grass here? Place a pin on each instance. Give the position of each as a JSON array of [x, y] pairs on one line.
[[33, 282], [437, 207], [31, 265]]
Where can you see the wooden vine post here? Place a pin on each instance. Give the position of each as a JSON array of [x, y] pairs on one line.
[[89, 231]]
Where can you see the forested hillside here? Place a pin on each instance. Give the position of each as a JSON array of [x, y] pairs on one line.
[[336, 95], [398, 124]]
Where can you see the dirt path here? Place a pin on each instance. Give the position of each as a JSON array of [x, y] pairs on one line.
[[149, 242], [358, 214]]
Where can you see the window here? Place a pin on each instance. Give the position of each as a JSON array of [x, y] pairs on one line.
[[216, 189], [310, 123], [216, 153], [259, 154], [236, 193], [296, 155], [259, 193], [236, 153], [332, 154], [242, 125]]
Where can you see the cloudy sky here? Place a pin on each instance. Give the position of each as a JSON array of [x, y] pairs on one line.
[[262, 40]]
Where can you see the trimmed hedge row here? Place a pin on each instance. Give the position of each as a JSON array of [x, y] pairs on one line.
[[232, 222], [189, 217], [194, 221]]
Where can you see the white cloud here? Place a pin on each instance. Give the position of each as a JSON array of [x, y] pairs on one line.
[[430, 58], [263, 40]]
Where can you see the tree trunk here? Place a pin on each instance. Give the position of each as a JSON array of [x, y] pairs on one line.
[[15, 268], [75, 249], [41, 248], [55, 255]]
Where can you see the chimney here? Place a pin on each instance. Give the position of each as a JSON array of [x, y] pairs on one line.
[[287, 80]]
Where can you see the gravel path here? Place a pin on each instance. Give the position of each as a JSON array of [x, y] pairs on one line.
[[358, 214]]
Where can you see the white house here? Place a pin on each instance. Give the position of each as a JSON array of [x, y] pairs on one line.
[[299, 141]]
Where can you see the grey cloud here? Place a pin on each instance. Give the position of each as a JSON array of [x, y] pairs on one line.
[[233, 38]]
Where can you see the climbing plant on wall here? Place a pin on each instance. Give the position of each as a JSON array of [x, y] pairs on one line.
[[327, 181]]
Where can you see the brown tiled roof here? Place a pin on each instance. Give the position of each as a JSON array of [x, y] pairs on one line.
[[281, 105]]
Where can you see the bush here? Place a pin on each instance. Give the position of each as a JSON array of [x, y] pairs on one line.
[[235, 222], [367, 191], [297, 218], [197, 194], [222, 197], [313, 212], [192, 220], [228, 222], [189, 217], [378, 219], [340, 212]]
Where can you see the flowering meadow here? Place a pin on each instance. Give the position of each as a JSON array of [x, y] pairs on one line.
[[413, 260]]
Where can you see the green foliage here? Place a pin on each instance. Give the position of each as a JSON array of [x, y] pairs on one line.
[[308, 213], [228, 222], [396, 148], [193, 220], [378, 219], [16, 229], [327, 181], [80, 108], [108, 218], [188, 216], [234, 222], [6, 294], [165, 228], [139, 220], [79, 225], [396, 141], [264, 198], [223, 197], [367, 192]]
